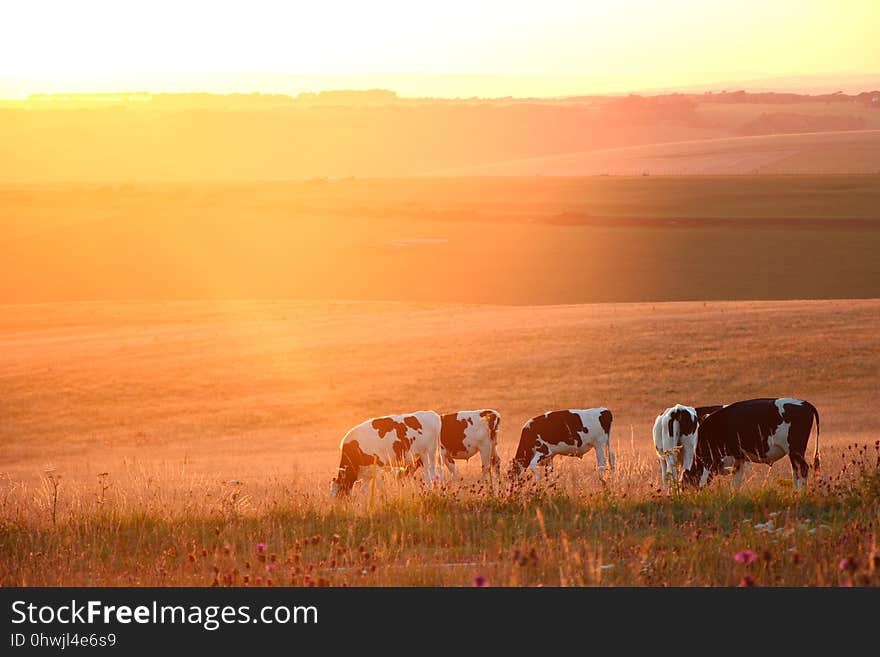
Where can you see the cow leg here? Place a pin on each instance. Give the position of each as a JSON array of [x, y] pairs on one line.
[[799, 470], [450, 465], [376, 478], [663, 467], [429, 462], [447, 460], [671, 466], [430, 472], [706, 477], [602, 460], [486, 461], [533, 465], [495, 464], [410, 468]]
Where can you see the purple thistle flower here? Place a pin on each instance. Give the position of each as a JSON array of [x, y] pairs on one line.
[[481, 581], [261, 548], [847, 564], [745, 556]]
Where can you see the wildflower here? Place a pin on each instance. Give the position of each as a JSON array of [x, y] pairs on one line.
[[261, 548], [481, 581], [848, 564], [745, 556], [746, 581], [270, 567]]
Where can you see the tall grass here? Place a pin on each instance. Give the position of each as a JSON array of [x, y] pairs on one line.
[[152, 528]]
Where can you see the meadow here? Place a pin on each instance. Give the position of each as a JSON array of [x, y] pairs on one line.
[[192, 443], [522, 241]]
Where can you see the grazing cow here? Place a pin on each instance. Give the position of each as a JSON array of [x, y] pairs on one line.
[[675, 439], [397, 441], [571, 432], [757, 430], [465, 433]]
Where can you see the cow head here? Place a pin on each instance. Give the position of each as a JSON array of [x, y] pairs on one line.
[[342, 484]]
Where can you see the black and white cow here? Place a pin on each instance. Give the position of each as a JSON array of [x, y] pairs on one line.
[[675, 439], [393, 441], [465, 433], [757, 430], [572, 432]]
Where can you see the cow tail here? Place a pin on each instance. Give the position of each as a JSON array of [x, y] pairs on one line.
[[816, 453]]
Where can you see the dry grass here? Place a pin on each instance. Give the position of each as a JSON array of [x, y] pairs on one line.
[[217, 425], [844, 152], [499, 241], [163, 527]]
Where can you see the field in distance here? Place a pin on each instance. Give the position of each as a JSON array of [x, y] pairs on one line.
[[472, 240], [182, 434], [856, 151], [243, 388]]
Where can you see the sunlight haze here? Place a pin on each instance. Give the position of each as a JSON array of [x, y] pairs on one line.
[[439, 49]]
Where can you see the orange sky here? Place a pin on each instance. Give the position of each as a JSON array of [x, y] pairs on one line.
[[505, 46]]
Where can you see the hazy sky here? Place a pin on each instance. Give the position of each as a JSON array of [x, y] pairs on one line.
[[613, 45]]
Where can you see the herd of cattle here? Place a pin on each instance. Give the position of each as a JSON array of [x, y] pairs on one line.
[[693, 444]]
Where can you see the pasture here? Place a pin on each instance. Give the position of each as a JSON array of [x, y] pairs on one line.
[[840, 152], [499, 241], [192, 443]]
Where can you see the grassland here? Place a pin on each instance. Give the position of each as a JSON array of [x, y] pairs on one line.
[[143, 138], [497, 241], [183, 435], [840, 152]]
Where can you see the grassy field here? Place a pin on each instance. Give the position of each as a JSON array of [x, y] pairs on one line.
[[497, 241], [167, 443], [840, 152]]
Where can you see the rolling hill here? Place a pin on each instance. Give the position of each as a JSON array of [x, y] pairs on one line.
[[850, 151]]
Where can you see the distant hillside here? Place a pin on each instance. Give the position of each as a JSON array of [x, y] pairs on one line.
[[814, 153], [375, 133]]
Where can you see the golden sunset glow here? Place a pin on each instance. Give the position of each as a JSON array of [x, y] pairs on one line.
[[301, 293], [426, 48]]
